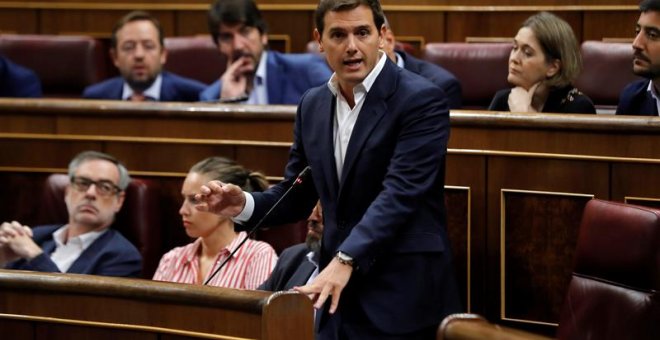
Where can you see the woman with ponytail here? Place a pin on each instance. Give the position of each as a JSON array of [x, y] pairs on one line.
[[215, 237]]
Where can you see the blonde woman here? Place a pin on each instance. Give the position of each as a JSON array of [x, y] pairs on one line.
[[215, 235]]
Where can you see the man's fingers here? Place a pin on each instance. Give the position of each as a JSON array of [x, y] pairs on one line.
[[327, 290], [335, 300]]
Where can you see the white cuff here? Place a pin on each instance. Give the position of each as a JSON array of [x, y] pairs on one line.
[[247, 211]]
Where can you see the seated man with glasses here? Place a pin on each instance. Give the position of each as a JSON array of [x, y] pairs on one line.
[[85, 245]]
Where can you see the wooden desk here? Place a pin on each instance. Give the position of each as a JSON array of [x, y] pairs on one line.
[[69, 306]]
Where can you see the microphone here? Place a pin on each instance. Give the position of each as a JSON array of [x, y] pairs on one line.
[[297, 182]]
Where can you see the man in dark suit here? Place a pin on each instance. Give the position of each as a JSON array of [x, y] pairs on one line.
[[436, 74], [641, 97], [138, 51], [18, 81], [375, 138], [254, 74], [299, 263], [85, 245]]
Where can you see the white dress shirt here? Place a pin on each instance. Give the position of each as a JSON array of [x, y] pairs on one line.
[[259, 93], [152, 92], [67, 253]]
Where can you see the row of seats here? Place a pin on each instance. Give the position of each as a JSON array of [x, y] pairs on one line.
[[66, 64]]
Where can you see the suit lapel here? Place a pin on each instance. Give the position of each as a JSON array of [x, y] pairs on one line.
[[373, 110], [83, 261], [166, 91], [325, 115], [301, 275]]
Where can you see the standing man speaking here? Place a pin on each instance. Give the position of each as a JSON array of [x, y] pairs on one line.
[[375, 137]]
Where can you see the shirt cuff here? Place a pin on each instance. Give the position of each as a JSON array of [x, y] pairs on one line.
[[247, 211]]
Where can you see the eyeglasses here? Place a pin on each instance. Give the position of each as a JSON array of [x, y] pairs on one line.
[[103, 187]]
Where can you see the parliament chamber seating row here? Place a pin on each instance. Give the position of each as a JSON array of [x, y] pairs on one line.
[[66, 64]]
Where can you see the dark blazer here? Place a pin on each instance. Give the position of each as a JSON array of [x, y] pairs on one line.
[[387, 211], [174, 88], [110, 255], [563, 100], [288, 76], [18, 81], [635, 100], [292, 269], [437, 75]]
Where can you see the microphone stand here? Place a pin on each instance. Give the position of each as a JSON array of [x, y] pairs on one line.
[[298, 181]]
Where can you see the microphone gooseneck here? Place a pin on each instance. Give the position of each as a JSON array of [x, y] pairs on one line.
[[299, 180]]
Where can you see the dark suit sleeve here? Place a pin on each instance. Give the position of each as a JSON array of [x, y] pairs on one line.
[[119, 258], [41, 263]]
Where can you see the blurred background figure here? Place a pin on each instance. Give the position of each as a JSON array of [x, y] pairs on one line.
[[18, 81]]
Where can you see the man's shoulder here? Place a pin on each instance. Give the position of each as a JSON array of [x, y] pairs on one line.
[[173, 78], [119, 242], [294, 251], [102, 90], [44, 231], [300, 62], [635, 88]]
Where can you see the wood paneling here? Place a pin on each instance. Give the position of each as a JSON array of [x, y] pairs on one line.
[[426, 21]]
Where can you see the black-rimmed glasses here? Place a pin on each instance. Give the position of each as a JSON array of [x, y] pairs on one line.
[[103, 187]]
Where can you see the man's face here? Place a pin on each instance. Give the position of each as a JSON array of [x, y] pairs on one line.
[[351, 42], [238, 41], [646, 46], [139, 56], [93, 207], [315, 228]]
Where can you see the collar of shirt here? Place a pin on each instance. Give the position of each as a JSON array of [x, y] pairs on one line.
[[368, 81], [313, 258], [153, 91], [259, 93], [84, 240], [654, 94], [195, 251], [399, 60]]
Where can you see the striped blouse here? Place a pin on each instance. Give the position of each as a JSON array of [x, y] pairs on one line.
[[248, 268]]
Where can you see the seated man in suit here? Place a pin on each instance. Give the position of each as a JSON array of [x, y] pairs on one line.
[[86, 245], [138, 51], [18, 81], [436, 74], [298, 264], [255, 75], [641, 97]]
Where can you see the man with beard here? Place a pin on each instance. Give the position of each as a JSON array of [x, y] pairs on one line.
[[85, 245], [298, 264], [254, 74], [641, 97], [137, 50]]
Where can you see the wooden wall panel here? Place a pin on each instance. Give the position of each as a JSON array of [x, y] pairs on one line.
[[638, 181], [97, 23], [51, 331], [544, 175], [191, 23], [539, 236], [461, 25], [599, 25], [458, 231], [18, 21], [469, 171], [18, 329], [296, 26]]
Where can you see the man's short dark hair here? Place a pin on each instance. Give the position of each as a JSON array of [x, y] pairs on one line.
[[137, 16], [124, 178], [234, 12], [326, 6], [649, 5]]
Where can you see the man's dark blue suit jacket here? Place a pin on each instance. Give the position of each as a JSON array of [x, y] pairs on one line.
[[635, 100], [174, 88], [387, 210], [111, 255], [18, 81], [437, 75]]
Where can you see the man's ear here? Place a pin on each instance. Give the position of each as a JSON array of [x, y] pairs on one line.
[[120, 201], [382, 36], [317, 37], [163, 56], [113, 56]]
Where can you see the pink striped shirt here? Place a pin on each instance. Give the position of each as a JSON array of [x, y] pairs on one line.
[[248, 268]]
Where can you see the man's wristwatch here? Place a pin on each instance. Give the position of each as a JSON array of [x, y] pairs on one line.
[[344, 258]]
